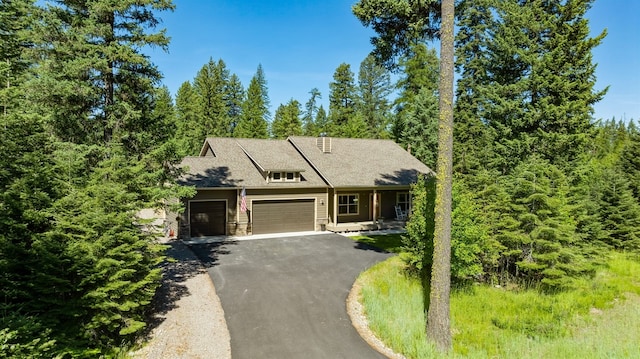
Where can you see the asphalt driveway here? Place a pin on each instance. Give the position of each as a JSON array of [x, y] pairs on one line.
[[285, 297]]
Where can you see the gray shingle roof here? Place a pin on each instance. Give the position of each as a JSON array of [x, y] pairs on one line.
[[362, 162], [233, 167], [274, 155], [351, 163]]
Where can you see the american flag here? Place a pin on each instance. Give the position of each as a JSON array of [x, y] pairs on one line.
[[243, 201]]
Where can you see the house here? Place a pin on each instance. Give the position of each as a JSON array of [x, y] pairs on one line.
[[255, 186]]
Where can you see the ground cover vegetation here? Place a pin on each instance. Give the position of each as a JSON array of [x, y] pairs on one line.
[[542, 191], [591, 320]]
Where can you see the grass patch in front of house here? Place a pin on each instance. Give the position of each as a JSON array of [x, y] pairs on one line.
[[387, 242], [597, 319]]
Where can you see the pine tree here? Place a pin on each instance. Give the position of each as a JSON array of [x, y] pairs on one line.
[[92, 69], [287, 120], [311, 110], [356, 127], [418, 241], [342, 99], [416, 124], [540, 81], [95, 267], [234, 97], [255, 109], [420, 123], [16, 18], [322, 122], [473, 150], [210, 88], [630, 160], [619, 211], [374, 87], [26, 192], [536, 226], [189, 132], [114, 263]]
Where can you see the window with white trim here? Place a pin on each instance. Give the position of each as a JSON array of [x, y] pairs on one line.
[[348, 204], [284, 177], [403, 201]]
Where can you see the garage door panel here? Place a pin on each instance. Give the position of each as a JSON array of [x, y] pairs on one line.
[[283, 216], [207, 218]]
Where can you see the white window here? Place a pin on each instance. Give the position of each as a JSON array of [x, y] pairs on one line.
[[290, 176], [348, 204], [276, 177], [403, 201]]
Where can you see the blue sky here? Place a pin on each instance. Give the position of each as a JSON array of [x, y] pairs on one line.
[[301, 43]]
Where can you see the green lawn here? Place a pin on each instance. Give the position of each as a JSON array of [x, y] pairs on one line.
[[388, 242], [599, 319]]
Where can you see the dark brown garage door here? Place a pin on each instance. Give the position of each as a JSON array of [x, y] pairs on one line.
[[207, 218], [283, 216]]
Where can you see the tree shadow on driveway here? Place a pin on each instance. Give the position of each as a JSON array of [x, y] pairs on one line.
[[182, 263]]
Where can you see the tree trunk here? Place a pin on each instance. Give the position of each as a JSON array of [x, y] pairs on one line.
[[438, 322]]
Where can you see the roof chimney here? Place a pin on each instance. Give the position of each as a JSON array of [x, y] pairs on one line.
[[324, 144]]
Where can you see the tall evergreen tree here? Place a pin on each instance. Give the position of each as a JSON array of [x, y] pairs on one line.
[[374, 87], [287, 120], [255, 109], [189, 132], [342, 99], [311, 110], [234, 97], [94, 268], [16, 19], [416, 122], [322, 121], [540, 81], [473, 150], [96, 80], [210, 87], [420, 127]]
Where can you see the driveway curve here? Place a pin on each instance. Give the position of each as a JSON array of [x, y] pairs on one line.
[[286, 297]]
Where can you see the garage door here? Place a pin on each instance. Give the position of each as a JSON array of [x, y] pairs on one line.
[[207, 218], [283, 216]]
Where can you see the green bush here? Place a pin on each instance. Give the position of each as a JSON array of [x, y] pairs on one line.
[[471, 246]]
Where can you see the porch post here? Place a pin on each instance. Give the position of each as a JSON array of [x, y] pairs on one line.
[[335, 207], [375, 206], [237, 207]]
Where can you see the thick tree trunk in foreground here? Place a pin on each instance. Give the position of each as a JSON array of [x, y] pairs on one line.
[[438, 323]]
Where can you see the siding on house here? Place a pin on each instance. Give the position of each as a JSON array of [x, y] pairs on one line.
[[322, 167]]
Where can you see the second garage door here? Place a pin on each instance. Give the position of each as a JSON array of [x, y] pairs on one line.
[[283, 216]]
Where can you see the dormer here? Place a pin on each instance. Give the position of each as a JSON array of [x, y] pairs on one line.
[[284, 176], [207, 150]]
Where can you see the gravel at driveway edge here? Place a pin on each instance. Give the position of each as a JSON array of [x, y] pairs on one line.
[[191, 322], [360, 322]]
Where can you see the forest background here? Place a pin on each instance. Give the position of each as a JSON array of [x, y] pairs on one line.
[[90, 135]]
